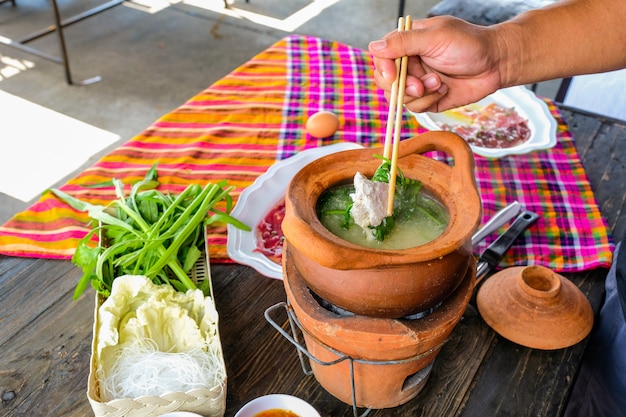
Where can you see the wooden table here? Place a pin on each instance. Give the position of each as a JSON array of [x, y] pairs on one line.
[[45, 337]]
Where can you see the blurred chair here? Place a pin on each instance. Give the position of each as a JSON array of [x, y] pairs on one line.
[[485, 12], [599, 94], [58, 27]]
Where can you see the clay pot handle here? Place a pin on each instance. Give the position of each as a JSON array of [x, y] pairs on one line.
[[453, 145]]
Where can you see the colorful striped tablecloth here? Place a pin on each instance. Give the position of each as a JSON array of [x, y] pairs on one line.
[[241, 125]]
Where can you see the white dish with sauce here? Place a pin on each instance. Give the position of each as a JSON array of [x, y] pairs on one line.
[[542, 125], [278, 402], [259, 198]]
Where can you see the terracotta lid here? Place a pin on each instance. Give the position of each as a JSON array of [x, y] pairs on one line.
[[535, 307]]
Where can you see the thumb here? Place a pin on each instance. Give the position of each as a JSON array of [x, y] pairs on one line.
[[397, 44]]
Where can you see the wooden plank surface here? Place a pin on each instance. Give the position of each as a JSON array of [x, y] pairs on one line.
[[46, 339], [46, 359]]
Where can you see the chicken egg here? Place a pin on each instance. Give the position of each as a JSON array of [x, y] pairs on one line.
[[322, 124]]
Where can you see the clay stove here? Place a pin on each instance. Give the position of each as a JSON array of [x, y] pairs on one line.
[[392, 310]]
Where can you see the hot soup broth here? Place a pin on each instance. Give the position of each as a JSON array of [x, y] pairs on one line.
[[413, 226]]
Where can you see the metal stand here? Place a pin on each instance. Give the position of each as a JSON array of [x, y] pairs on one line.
[[58, 27], [302, 351]]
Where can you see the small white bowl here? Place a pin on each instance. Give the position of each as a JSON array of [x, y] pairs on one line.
[[280, 401]]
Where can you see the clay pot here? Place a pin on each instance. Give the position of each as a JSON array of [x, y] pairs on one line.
[[414, 344], [386, 283], [535, 307]]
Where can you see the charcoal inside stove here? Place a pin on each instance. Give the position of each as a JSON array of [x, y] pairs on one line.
[[345, 313], [422, 314], [331, 307], [418, 377]]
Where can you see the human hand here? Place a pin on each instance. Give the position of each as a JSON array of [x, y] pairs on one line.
[[451, 63]]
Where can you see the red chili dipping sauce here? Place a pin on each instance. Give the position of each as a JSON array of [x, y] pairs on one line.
[[270, 236], [276, 412], [491, 126]]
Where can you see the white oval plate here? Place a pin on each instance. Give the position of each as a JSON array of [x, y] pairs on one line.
[[540, 121], [260, 197]]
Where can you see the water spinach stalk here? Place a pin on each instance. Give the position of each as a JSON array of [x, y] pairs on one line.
[[149, 233]]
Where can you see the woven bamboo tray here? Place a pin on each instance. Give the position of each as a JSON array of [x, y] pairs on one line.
[[209, 403]]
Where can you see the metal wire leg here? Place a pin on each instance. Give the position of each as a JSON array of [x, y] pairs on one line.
[[64, 56], [59, 30], [302, 350]]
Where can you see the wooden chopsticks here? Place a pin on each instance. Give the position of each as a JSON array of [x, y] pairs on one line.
[[396, 104]]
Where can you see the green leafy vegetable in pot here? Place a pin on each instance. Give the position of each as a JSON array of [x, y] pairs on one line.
[[409, 201]]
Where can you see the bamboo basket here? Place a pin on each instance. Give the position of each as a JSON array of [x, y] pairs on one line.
[[209, 403]]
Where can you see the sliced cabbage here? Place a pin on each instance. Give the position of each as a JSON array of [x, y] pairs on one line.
[[152, 339]]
